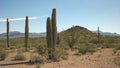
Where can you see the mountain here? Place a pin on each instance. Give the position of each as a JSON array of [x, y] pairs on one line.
[[78, 31], [107, 33], [15, 34], [75, 29]]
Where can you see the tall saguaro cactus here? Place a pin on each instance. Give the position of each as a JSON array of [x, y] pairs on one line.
[[8, 45], [98, 36], [26, 32], [51, 34], [49, 37], [54, 28]]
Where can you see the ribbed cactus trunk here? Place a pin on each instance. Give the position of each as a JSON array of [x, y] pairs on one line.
[[51, 34], [58, 39], [54, 28], [98, 36], [26, 32], [8, 45], [49, 37]]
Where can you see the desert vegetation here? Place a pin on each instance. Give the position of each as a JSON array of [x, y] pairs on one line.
[[56, 46]]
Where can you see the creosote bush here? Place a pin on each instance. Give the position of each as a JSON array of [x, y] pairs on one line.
[[37, 59], [19, 57], [83, 49], [86, 48], [72, 39], [60, 54], [42, 50], [3, 54]]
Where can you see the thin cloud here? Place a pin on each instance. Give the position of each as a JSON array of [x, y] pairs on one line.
[[17, 19], [2, 19]]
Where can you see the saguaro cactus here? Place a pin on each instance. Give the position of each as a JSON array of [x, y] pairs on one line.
[[98, 36], [26, 32], [58, 39], [49, 37], [51, 34], [8, 33], [54, 28]]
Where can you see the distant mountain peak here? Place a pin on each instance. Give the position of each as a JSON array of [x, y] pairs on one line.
[[76, 28], [79, 30], [107, 33], [14, 34]]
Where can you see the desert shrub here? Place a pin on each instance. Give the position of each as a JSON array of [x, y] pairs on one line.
[[42, 50], [64, 57], [37, 59], [94, 40], [60, 54], [71, 39], [116, 60], [20, 50], [108, 45], [118, 48], [12, 47], [84, 48], [3, 54], [38, 65], [111, 42], [19, 57]]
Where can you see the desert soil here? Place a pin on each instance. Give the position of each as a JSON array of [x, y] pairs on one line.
[[103, 58]]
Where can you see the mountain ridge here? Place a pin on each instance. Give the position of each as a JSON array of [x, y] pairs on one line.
[[14, 34], [107, 33]]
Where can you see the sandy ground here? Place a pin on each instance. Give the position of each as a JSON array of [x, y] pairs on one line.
[[100, 59]]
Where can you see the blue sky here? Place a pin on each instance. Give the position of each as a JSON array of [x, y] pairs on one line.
[[86, 13]]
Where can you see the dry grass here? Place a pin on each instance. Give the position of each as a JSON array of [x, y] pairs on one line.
[[100, 59]]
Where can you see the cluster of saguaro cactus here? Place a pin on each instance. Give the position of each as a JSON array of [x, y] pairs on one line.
[[51, 34], [26, 32], [8, 45]]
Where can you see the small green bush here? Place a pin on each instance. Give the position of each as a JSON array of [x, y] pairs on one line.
[[65, 57], [60, 54], [83, 49], [38, 65], [3, 54], [19, 57], [42, 50], [117, 47], [108, 45], [37, 59]]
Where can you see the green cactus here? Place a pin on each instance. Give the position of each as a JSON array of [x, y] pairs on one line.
[[8, 33], [54, 28], [51, 34], [26, 32], [49, 37], [58, 39]]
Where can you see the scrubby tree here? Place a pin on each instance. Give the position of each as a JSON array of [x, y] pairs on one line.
[[71, 39]]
